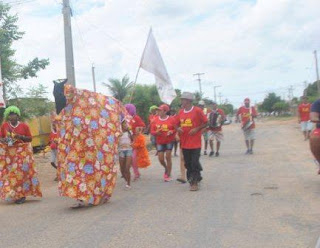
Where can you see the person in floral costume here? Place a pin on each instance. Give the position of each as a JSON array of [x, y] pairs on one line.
[[18, 176], [89, 128]]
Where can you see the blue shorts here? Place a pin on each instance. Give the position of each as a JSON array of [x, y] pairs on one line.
[[125, 153], [165, 147]]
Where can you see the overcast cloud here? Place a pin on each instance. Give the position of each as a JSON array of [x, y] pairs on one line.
[[249, 47]]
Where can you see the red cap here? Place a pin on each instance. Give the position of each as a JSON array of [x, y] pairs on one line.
[[247, 99], [164, 107]]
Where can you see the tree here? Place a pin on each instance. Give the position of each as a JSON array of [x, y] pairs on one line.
[[227, 108], [34, 103], [281, 106], [12, 72], [144, 97], [119, 88], [268, 102]]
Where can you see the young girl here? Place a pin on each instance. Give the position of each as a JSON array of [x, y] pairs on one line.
[[125, 153], [54, 145]]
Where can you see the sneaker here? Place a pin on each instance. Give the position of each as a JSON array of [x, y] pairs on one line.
[[211, 153], [205, 153], [247, 152], [165, 176], [251, 152], [168, 179], [128, 186]]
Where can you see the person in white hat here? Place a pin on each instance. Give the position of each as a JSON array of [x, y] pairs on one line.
[[190, 121]]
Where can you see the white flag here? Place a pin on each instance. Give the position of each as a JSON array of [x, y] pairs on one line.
[[152, 62]]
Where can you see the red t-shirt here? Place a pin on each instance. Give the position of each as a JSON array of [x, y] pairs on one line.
[[244, 112], [220, 111], [21, 129], [304, 111], [151, 118], [165, 125], [135, 122], [188, 120], [53, 140]]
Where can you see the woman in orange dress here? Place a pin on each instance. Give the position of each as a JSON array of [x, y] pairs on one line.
[[18, 177]]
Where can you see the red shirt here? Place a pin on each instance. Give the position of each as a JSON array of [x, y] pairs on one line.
[[188, 120], [244, 112], [151, 118], [135, 122], [223, 116], [304, 111], [165, 125], [53, 140], [21, 129]]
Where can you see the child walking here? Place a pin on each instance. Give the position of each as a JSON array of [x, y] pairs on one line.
[[125, 153]]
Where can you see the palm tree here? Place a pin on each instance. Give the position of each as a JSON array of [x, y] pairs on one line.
[[119, 88]]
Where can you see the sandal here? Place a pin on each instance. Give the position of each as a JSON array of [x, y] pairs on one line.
[[181, 180], [79, 204]]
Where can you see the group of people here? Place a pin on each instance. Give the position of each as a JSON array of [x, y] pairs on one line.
[[83, 152]]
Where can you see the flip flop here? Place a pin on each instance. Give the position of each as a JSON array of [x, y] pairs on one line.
[[181, 180]]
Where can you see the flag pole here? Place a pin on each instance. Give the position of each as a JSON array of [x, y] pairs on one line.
[[134, 85], [135, 81]]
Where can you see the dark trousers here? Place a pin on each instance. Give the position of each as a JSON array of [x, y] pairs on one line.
[[192, 164]]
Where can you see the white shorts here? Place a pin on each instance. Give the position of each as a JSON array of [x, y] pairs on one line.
[[215, 135], [250, 134], [54, 156], [306, 126]]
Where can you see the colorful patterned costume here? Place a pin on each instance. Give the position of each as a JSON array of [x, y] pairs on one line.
[[18, 176], [89, 128]]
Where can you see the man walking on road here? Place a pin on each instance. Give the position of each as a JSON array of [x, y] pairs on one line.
[[304, 117], [216, 119], [190, 121], [247, 115]]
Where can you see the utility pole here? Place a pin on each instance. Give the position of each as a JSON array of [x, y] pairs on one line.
[[94, 78], [290, 93], [317, 71], [214, 90], [220, 98], [199, 80], [67, 12]]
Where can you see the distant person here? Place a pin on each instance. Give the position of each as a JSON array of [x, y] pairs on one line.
[[153, 112], [191, 120], [163, 128], [247, 115], [304, 117], [137, 126], [215, 121], [125, 153], [53, 140], [201, 105], [315, 135]]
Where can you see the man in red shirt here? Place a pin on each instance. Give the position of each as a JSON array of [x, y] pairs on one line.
[[247, 114], [304, 117], [191, 120], [216, 119]]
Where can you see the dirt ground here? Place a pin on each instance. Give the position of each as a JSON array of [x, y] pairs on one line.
[[268, 199]]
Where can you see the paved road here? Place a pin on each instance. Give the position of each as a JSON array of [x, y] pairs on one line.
[[269, 199]]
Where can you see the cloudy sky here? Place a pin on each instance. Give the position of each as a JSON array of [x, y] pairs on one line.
[[249, 47]]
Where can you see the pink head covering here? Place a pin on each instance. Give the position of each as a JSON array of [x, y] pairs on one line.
[[131, 109]]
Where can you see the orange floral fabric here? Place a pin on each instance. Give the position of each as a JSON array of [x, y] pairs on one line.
[[89, 128], [18, 176], [139, 144]]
